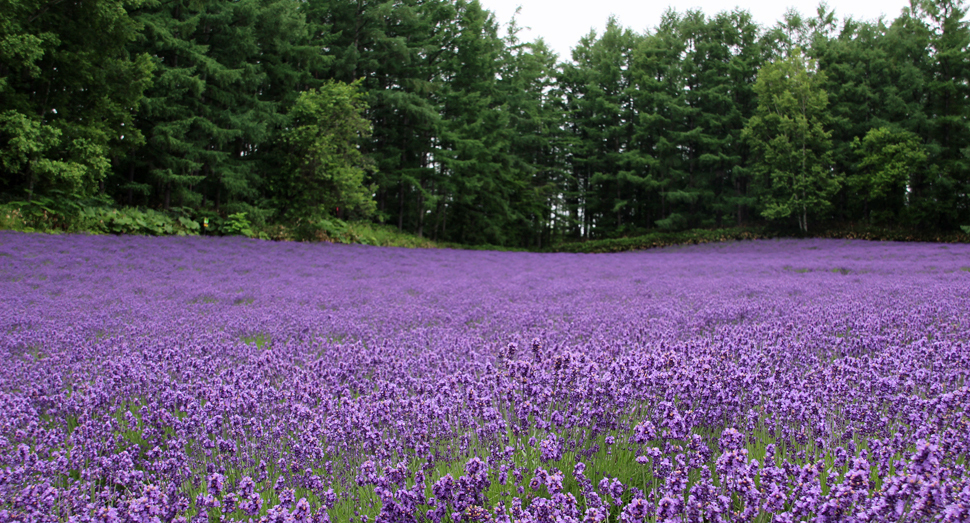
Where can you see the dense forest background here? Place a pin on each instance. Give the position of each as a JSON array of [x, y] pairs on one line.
[[432, 116]]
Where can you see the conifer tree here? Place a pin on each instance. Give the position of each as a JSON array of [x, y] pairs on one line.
[[398, 48], [948, 89], [660, 101], [528, 94], [475, 134], [601, 96]]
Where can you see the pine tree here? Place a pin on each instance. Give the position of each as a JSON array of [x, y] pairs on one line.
[[475, 135], [601, 97], [172, 114], [398, 48], [537, 149], [660, 103], [948, 89]]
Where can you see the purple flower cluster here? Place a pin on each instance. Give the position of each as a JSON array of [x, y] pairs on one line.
[[222, 379]]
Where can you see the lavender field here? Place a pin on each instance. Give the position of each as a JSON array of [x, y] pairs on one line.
[[203, 379]]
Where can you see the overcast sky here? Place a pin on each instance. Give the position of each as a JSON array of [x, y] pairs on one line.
[[561, 23]]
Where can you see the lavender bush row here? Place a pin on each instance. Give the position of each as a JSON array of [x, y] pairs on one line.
[[203, 379]]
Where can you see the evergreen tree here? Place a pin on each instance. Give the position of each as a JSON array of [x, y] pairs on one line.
[[948, 88], [737, 100], [857, 70], [602, 108], [225, 105], [475, 136], [719, 71], [213, 105], [660, 93], [527, 90], [398, 48]]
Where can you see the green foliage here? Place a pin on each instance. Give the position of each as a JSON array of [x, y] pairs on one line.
[[285, 119], [67, 92], [136, 221], [663, 239], [945, 189], [28, 148], [601, 96], [793, 148], [483, 182], [894, 234], [336, 230], [55, 212], [889, 159], [324, 171], [59, 213], [237, 224], [536, 143]]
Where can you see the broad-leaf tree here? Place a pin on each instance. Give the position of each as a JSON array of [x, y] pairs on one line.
[[888, 159], [69, 89], [324, 175], [792, 146]]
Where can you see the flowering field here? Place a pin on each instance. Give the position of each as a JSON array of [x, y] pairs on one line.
[[187, 379]]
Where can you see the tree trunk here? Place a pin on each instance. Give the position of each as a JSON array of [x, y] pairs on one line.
[[619, 215], [131, 181], [400, 207], [444, 220], [421, 213]]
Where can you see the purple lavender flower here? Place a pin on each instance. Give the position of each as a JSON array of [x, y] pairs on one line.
[[137, 367]]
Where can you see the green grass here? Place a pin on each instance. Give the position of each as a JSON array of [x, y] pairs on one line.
[[612, 461], [260, 340], [386, 236]]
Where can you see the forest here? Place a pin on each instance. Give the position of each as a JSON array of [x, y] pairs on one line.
[[436, 118]]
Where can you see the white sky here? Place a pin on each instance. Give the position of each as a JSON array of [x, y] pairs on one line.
[[561, 23]]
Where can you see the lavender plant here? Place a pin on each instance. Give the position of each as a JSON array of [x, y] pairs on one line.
[[227, 379]]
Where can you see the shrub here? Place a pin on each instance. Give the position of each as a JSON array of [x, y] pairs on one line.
[[135, 221]]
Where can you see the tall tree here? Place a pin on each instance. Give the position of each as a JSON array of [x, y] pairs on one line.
[[324, 171], [68, 91], [526, 87], [787, 133], [719, 69], [947, 93], [601, 96], [475, 136], [212, 104], [660, 102], [398, 48]]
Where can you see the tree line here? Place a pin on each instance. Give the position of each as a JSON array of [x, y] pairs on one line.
[[432, 116]]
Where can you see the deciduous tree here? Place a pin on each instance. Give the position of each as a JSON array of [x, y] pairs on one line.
[[794, 149]]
